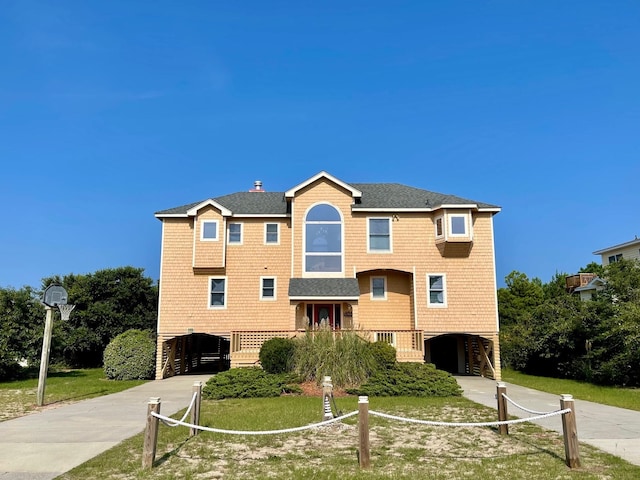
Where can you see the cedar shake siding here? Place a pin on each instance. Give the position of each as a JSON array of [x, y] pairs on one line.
[[394, 263]]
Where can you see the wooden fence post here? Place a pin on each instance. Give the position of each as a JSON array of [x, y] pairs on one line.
[[151, 433], [364, 456], [502, 408], [570, 432], [195, 411]]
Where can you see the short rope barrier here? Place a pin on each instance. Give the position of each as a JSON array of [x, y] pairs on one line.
[[468, 424], [170, 422], [254, 432], [533, 412]]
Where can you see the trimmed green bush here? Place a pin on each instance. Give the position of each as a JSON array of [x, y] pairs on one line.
[[384, 355], [276, 355], [249, 382], [410, 380], [130, 356]]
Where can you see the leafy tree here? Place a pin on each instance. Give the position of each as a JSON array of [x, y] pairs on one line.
[[108, 302], [21, 329]]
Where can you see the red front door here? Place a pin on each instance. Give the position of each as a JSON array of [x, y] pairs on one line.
[[323, 315]]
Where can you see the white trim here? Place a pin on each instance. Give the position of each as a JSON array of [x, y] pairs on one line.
[[444, 291], [465, 217], [201, 225], [415, 300], [193, 211], [443, 227], [277, 242], [376, 251], [225, 293], [275, 288], [260, 215], [160, 282], [495, 275], [423, 209], [229, 233], [354, 192], [384, 280], [618, 247]]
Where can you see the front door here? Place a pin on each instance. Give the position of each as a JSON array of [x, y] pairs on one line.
[[323, 315]]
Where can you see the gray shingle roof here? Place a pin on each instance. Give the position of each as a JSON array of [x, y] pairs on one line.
[[374, 195], [324, 287]]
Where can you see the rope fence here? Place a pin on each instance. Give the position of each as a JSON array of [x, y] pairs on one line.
[[567, 410]]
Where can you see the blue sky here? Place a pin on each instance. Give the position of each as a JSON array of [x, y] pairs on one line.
[[111, 111]]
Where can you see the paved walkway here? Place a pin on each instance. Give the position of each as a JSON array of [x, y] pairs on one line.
[[43, 445], [611, 429]]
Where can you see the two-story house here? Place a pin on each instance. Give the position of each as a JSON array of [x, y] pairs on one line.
[[628, 251], [392, 262]]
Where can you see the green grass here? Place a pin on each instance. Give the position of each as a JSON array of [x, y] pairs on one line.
[[614, 396], [19, 397], [398, 450]]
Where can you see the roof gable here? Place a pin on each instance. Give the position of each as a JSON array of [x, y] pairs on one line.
[[355, 193]]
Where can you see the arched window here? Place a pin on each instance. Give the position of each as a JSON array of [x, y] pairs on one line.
[[323, 239]]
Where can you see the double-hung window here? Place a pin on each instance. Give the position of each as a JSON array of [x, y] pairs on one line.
[[271, 231], [268, 288], [437, 294], [217, 292], [378, 288], [235, 233], [379, 235]]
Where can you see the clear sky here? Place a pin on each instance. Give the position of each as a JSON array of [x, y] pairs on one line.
[[113, 110]]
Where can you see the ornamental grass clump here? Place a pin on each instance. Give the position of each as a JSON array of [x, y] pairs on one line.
[[344, 356]]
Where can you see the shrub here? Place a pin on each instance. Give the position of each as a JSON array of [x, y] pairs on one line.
[[249, 382], [384, 355], [411, 380], [276, 355], [343, 356], [130, 356]]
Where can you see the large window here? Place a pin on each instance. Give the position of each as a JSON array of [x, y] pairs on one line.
[[209, 230], [379, 234], [271, 231], [268, 288], [235, 233], [615, 258], [323, 239], [437, 295], [217, 292], [378, 288]]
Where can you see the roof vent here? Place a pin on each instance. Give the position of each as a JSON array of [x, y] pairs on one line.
[[257, 186]]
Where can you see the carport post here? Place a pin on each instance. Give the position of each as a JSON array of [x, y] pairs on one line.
[[151, 433], [195, 412], [501, 390], [570, 432]]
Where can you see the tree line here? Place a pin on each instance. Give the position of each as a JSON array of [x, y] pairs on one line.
[[545, 330], [108, 303]]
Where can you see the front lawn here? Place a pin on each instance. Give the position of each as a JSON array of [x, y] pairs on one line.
[[19, 397], [614, 396], [399, 450]]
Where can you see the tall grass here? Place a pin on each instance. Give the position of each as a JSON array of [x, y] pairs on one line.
[[344, 356]]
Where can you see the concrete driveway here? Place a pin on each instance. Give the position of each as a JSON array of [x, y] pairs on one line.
[[46, 444], [611, 429]]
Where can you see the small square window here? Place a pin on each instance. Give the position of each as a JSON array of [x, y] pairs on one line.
[[235, 233], [271, 231], [458, 225], [437, 294], [378, 288], [268, 289], [209, 230]]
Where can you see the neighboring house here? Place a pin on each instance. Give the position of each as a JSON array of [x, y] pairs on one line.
[[585, 284], [628, 251], [392, 262]]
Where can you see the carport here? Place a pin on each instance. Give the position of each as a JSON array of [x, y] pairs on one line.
[[194, 353]]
